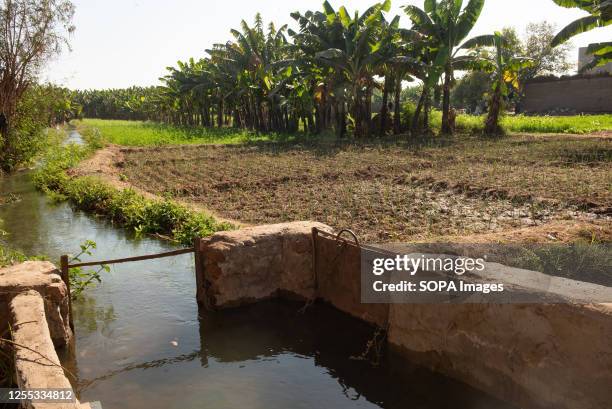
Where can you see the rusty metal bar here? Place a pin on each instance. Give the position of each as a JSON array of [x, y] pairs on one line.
[[137, 258], [199, 269], [349, 232], [315, 233], [335, 236], [355, 241], [65, 273]]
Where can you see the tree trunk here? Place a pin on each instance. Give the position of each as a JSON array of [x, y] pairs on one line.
[[286, 125], [220, 113], [4, 127], [336, 117], [312, 126], [236, 123], [397, 126], [426, 108], [447, 126], [340, 120], [492, 123], [204, 113], [357, 112], [414, 129], [6, 144], [367, 125], [323, 109], [255, 115], [10, 155], [385, 106], [343, 120], [260, 116], [318, 118]]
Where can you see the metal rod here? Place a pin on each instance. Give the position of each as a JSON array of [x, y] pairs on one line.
[[65, 271], [349, 232], [199, 269], [315, 234], [138, 258]]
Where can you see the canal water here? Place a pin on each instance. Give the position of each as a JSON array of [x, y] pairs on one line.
[[141, 342]]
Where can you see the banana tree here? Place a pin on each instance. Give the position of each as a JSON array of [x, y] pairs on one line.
[[357, 57], [398, 61], [503, 67], [600, 15], [321, 31], [415, 58], [445, 24], [245, 75]]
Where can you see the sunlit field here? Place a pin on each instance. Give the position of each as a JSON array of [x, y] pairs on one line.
[[387, 190], [575, 124], [139, 133]]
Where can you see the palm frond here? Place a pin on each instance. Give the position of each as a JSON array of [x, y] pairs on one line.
[[579, 26]]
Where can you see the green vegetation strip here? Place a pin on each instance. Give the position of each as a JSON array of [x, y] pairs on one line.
[[124, 207], [9, 256], [140, 133], [575, 124]]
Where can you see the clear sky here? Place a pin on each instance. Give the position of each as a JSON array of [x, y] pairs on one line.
[[119, 43]]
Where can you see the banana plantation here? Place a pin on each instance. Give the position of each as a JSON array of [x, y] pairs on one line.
[[323, 75]]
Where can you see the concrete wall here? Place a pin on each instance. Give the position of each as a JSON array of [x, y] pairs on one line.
[[42, 277], [338, 273], [577, 95], [256, 263], [36, 362], [34, 302], [537, 356]]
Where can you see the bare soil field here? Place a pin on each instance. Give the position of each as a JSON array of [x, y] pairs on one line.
[[391, 191]]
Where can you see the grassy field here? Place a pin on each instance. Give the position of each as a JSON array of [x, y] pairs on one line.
[[576, 124], [389, 191], [138, 133]]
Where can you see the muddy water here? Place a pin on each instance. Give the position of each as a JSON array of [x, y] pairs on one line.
[[140, 342]]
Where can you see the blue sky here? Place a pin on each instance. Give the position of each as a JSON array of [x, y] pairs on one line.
[[118, 43]]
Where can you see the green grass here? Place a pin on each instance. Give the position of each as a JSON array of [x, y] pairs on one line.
[[139, 133], [558, 124], [577, 124], [124, 207], [9, 256]]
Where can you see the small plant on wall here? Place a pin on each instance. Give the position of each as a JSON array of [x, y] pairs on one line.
[[81, 279]]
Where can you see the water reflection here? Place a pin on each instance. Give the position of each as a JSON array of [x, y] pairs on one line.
[[73, 138], [320, 345], [88, 317], [276, 356]]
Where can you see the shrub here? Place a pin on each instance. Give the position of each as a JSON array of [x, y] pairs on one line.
[[407, 114], [40, 107], [88, 194], [198, 225]]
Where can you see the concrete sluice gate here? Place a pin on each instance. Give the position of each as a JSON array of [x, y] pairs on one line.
[[555, 354], [545, 355]]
